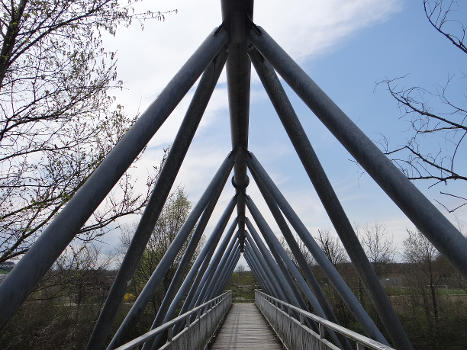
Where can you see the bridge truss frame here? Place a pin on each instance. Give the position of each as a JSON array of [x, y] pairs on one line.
[[237, 43]]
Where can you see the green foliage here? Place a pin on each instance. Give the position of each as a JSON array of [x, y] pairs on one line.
[[242, 284]]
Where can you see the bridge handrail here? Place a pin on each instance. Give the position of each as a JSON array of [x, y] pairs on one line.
[[168, 325], [358, 338]]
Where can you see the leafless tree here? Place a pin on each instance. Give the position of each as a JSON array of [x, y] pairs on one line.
[[58, 118], [378, 247], [437, 118], [421, 255], [331, 246]]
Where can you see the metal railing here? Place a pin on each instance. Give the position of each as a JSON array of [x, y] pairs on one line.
[[288, 322], [196, 333]]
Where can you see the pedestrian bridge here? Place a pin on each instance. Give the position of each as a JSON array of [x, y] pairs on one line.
[[267, 324], [291, 301]]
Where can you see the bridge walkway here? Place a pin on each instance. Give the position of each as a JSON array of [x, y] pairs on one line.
[[245, 329]]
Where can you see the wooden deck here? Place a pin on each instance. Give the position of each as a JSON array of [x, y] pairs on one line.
[[245, 329]]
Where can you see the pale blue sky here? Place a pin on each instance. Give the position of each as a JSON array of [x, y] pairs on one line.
[[346, 47]]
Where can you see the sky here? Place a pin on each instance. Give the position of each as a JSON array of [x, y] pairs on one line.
[[346, 47]]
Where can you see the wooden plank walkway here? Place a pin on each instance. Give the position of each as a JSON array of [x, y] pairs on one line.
[[245, 329]]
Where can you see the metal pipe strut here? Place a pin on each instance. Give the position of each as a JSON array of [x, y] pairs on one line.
[[40, 257], [207, 278], [197, 268], [277, 249], [329, 199], [157, 200], [220, 272], [195, 288], [434, 225], [212, 191], [336, 279], [236, 16], [269, 279], [280, 272], [258, 276], [226, 272], [187, 256], [269, 282]]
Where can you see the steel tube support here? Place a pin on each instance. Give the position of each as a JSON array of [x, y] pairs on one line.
[[205, 255], [329, 199], [230, 270], [226, 272], [279, 252], [213, 190], [183, 265], [235, 16], [40, 257], [267, 280], [273, 274], [259, 277], [277, 266], [338, 282], [207, 278], [156, 202], [219, 274], [196, 286], [434, 225], [305, 268]]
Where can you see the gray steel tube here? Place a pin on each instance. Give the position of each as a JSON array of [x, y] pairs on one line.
[[258, 276], [215, 187], [268, 278], [280, 272], [226, 272], [437, 228], [338, 282], [195, 287], [229, 271], [329, 199], [177, 279], [273, 274], [235, 15], [221, 269], [40, 257], [279, 252], [212, 268], [156, 202]]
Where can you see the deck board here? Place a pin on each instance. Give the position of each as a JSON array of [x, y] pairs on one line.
[[245, 329]]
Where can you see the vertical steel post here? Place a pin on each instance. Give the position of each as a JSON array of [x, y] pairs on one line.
[[235, 16], [329, 199], [183, 265], [215, 187], [338, 282], [40, 257], [156, 202], [437, 228]]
